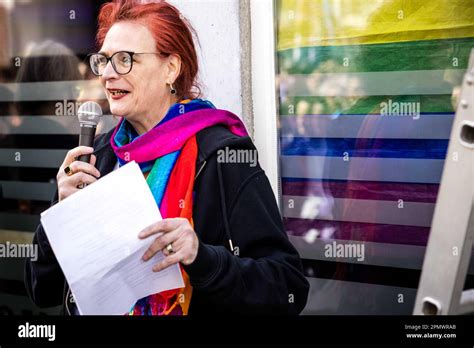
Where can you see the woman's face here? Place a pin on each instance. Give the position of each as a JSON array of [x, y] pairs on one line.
[[146, 84]]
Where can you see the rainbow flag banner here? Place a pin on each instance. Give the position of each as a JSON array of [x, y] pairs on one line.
[[367, 95]]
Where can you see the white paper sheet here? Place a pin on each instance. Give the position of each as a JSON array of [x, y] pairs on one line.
[[94, 235]]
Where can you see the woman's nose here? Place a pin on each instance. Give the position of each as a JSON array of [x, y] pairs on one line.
[[109, 72]]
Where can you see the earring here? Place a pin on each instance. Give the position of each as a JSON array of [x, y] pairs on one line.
[[172, 89]]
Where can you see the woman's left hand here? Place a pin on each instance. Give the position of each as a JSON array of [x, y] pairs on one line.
[[177, 232]]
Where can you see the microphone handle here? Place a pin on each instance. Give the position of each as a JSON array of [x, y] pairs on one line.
[[86, 138]]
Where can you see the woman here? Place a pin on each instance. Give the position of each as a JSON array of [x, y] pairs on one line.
[[221, 222]]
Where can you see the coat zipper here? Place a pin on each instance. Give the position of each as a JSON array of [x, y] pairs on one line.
[[200, 169]]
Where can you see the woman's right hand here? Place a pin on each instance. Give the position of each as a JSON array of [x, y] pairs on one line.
[[83, 173]]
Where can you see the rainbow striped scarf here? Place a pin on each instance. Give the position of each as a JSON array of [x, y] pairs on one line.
[[167, 156]]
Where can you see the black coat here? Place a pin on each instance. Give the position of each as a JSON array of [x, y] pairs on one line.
[[231, 201]]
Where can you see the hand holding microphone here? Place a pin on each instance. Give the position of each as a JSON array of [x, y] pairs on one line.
[[78, 168]]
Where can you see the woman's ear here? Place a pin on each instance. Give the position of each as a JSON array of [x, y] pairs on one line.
[[174, 67]]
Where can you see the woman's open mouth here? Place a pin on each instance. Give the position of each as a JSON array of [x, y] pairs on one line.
[[117, 93]]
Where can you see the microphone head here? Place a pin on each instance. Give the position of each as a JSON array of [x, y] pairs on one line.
[[89, 114]]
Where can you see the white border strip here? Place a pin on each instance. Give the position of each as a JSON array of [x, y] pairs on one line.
[[413, 82], [408, 170], [39, 191], [376, 254], [52, 91], [425, 126], [358, 210], [337, 297], [263, 88], [37, 158], [50, 124]]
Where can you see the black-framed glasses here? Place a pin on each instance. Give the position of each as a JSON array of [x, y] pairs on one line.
[[122, 61]]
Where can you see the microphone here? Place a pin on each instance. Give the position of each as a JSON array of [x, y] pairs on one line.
[[89, 115]]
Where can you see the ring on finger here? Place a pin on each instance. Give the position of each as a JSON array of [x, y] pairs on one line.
[[68, 171], [169, 248]]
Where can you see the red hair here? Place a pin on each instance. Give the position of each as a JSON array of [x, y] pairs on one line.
[[172, 32]]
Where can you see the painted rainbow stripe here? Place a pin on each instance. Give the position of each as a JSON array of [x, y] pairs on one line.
[[322, 23]]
